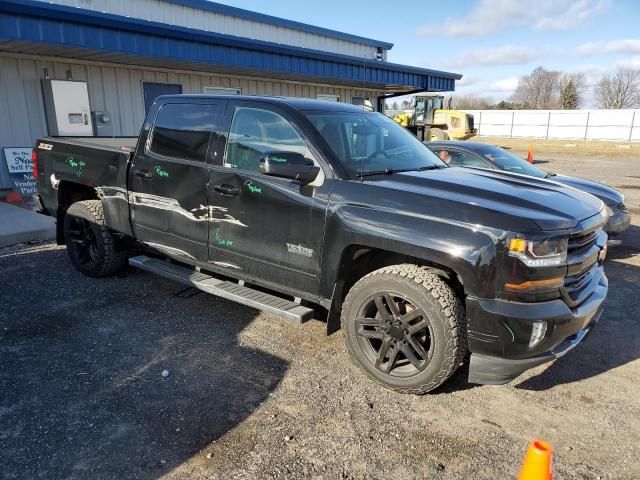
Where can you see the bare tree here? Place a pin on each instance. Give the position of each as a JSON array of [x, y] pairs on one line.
[[571, 88], [471, 102], [538, 90], [619, 90]]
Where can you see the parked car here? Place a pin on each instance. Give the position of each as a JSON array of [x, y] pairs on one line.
[[483, 155], [287, 204]]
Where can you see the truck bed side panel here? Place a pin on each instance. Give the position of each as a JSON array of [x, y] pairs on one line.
[[100, 167]]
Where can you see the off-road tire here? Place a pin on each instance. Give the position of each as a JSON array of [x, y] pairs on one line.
[[439, 303], [105, 258]]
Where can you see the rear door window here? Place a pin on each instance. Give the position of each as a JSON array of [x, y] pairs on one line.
[[183, 131]]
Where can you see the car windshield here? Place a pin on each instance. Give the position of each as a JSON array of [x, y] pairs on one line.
[[368, 143], [509, 162]]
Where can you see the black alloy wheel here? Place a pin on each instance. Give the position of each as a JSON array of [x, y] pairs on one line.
[[82, 241], [395, 334], [405, 327]]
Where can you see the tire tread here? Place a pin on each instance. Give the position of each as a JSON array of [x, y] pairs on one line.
[[114, 259], [452, 308]]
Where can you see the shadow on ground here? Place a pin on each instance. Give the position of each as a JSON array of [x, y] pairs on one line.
[[81, 388]]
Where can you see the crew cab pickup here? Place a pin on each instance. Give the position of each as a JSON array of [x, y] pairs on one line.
[[289, 205]]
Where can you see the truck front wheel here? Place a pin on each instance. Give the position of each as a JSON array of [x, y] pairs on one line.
[[89, 241], [405, 327]]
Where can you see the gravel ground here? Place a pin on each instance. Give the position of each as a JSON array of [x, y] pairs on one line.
[[250, 395]]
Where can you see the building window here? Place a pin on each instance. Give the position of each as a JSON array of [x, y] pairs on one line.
[[328, 98], [183, 130], [222, 91], [255, 132]]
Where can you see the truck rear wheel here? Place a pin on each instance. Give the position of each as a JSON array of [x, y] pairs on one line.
[[405, 327], [89, 241]]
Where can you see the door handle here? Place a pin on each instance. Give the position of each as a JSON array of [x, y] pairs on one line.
[[143, 173], [227, 189]]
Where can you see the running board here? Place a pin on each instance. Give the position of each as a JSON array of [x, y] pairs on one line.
[[224, 288]]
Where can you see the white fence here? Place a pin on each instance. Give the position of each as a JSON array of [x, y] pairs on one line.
[[621, 125]]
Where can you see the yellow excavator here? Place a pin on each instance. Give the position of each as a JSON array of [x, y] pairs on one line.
[[429, 120]]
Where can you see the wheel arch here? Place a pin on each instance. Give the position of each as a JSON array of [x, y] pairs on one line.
[[358, 260], [68, 194]]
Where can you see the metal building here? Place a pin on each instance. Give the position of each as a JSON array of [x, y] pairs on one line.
[[127, 52]]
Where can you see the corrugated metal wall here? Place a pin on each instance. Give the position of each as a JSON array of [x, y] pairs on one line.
[[117, 89], [179, 15]]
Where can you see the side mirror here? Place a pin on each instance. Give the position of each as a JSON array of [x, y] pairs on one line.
[[290, 165]]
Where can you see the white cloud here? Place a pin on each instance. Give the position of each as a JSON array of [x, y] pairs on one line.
[[505, 85], [632, 63], [626, 46], [507, 55], [491, 16], [577, 14], [467, 81], [497, 90]]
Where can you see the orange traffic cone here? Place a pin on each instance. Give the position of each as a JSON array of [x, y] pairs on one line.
[[530, 154], [538, 463]]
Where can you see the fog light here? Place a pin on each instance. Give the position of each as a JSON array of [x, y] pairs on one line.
[[537, 333]]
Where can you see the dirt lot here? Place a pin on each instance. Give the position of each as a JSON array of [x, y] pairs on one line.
[[250, 395], [571, 147]]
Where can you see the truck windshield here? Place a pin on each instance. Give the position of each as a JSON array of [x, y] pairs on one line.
[[368, 143]]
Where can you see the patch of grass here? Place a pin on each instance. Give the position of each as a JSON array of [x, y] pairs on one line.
[[578, 147]]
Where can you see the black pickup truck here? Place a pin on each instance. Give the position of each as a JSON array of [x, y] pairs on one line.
[[298, 207]]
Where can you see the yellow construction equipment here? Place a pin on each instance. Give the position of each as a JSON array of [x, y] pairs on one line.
[[429, 120]]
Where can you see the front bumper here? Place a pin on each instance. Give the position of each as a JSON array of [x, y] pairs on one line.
[[618, 222], [499, 333]]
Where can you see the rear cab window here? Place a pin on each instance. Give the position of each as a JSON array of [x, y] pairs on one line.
[[183, 130]]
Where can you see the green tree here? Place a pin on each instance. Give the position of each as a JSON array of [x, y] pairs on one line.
[[571, 87]]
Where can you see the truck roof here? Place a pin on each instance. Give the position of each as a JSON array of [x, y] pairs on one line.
[[302, 104]]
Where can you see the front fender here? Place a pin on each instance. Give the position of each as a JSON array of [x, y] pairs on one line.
[[468, 250]]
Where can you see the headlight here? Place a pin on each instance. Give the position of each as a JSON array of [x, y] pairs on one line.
[[609, 211], [539, 253]]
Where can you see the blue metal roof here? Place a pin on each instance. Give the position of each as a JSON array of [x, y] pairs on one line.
[[280, 22], [38, 23]]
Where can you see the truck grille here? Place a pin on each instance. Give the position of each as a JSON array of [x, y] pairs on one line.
[[584, 274], [582, 242]]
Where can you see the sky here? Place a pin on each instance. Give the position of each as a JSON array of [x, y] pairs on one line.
[[490, 42]]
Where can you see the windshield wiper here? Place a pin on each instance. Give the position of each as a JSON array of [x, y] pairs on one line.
[[386, 171], [390, 171]]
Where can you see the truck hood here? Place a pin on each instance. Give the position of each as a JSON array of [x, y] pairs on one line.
[[608, 195], [492, 198]]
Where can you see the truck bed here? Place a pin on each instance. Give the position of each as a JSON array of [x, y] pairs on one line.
[[127, 144], [99, 164]]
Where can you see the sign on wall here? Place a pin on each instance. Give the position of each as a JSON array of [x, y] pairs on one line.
[[21, 169]]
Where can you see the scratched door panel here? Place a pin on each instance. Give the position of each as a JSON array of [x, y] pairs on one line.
[[168, 181], [167, 208]]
